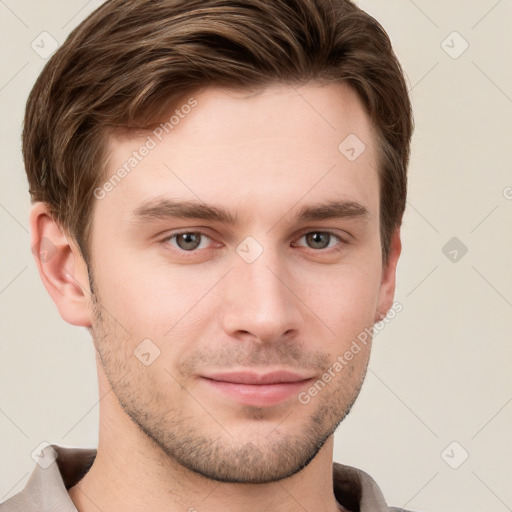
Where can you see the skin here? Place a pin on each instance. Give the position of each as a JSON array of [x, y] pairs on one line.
[[168, 439]]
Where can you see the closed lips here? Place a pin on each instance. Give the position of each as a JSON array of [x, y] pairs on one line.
[[255, 379]]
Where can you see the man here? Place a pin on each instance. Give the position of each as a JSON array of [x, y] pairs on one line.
[[218, 188]]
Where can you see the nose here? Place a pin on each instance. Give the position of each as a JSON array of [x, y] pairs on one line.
[[260, 302]]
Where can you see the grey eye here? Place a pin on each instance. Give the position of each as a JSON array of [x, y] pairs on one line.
[[188, 241], [318, 240]]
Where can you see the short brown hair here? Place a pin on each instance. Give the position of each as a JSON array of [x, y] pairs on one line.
[[131, 59]]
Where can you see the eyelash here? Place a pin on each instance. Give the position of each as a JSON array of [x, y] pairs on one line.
[[339, 247]]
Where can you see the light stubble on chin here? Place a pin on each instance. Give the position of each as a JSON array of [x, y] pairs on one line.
[[200, 444]]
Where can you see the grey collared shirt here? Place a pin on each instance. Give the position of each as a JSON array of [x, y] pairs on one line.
[[60, 468]]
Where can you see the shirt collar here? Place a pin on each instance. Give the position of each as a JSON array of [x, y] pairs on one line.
[[60, 468]]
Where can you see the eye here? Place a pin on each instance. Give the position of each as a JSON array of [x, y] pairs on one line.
[[188, 240], [320, 240]]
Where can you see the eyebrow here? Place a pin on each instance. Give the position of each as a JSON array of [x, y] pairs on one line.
[[163, 208], [332, 210]]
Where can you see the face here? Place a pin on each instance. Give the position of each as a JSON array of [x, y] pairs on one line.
[[234, 265]]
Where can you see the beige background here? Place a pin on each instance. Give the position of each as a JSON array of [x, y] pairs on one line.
[[440, 371]]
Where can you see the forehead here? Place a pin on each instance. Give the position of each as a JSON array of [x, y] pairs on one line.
[[281, 145]]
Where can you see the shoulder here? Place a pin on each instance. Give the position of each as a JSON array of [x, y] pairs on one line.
[[58, 468], [357, 490]]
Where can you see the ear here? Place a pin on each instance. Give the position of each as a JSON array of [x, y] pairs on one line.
[[387, 285], [61, 267]]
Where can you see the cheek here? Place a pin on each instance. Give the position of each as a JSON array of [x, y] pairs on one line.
[[344, 294], [157, 301]]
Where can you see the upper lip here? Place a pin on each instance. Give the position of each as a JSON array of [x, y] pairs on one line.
[[253, 377]]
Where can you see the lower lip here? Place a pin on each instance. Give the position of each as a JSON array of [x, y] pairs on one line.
[[258, 395]]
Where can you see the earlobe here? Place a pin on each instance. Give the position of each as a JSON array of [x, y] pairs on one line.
[[61, 267], [388, 281]]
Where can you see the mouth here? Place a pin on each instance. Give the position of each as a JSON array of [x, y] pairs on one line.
[[257, 389]]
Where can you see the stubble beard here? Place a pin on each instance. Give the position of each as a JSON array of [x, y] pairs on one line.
[[188, 441]]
